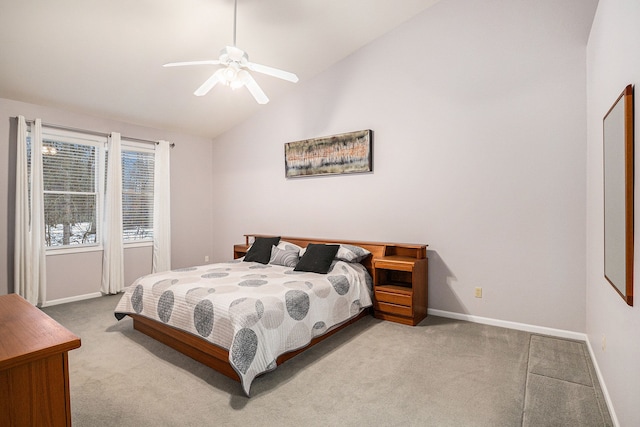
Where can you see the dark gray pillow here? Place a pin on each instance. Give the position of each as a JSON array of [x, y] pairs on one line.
[[347, 253], [260, 251], [317, 258]]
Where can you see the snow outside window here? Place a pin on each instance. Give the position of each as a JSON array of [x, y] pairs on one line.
[[74, 172], [137, 192]]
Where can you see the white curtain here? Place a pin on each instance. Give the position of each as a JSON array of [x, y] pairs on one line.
[[29, 245], [162, 209], [113, 258]]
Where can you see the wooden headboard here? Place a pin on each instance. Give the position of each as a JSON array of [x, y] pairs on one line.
[[377, 249]]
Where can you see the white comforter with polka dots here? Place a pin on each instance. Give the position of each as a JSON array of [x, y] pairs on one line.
[[255, 311]]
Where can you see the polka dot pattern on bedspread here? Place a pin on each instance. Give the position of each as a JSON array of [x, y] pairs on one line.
[[243, 350], [340, 284], [203, 317], [165, 306], [215, 275], [256, 311], [136, 299], [253, 283], [297, 304], [319, 328], [246, 311]]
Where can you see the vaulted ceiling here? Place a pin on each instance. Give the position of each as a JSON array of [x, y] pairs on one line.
[[105, 57]]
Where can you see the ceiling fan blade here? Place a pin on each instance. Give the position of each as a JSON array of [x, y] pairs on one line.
[[180, 64], [256, 91], [273, 72], [216, 78]]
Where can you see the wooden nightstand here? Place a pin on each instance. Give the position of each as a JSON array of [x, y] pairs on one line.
[[240, 250], [400, 287]]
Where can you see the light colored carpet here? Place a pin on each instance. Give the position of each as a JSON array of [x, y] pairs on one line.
[[562, 385], [442, 372]]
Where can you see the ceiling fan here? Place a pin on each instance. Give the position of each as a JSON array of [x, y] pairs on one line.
[[235, 72]]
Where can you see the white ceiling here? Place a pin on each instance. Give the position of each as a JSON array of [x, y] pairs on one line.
[[104, 57]]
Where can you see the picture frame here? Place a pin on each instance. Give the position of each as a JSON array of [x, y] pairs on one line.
[[344, 153], [618, 165]]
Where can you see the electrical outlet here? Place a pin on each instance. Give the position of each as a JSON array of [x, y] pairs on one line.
[[604, 342], [478, 293], [206, 258]]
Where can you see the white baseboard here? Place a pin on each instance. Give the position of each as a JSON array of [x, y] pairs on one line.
[[511, 325], [603, 385], [71, 299], [561, 333]]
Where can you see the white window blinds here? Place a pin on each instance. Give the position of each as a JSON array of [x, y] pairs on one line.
[[74, 176], [137, 192], [71, 191]]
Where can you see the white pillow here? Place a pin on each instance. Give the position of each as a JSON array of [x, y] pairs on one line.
[[287, 258], [288, 246]]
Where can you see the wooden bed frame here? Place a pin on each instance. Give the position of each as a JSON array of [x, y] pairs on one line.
[[217, 357]]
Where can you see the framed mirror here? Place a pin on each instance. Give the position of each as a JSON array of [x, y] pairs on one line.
[[618, 195]]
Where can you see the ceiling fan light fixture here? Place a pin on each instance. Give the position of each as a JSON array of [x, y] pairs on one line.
[[230, 74], [239, 81], [235, 74]]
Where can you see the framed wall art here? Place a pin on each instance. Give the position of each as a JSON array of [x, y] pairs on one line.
[[330, 155], [618, 195]]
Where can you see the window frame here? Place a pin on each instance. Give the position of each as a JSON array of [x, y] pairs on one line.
[[98, 142], [129, 145]]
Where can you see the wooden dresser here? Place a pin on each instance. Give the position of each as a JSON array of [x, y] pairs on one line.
[[34, 368]]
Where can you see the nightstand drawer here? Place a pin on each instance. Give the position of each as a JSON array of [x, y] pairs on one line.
[[393, 298], [394, 309], [396, 263]]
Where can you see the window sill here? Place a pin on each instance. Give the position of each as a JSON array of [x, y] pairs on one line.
[[96, 248], [73, 250], [138, 244]]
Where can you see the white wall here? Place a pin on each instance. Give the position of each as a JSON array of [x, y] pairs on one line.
[[612, 63], [478, 109], [72, 275]]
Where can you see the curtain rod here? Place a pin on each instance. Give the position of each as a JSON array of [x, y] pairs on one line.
[[93, 132]]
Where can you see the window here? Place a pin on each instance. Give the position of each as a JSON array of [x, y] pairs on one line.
[[137, 192], [74, 176], [72, 186]]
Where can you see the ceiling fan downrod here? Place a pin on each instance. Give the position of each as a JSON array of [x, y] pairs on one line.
[[235, 20]]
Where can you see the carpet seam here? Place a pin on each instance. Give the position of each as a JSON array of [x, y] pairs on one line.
[[587, 359], [558, 379], [526, 383]]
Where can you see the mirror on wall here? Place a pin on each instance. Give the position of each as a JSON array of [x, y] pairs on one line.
[[618, 195]]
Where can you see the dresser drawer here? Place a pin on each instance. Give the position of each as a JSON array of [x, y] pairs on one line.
[[393, 298], [394, 309]]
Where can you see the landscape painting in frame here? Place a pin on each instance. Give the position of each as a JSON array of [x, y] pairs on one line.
[[330, 155]]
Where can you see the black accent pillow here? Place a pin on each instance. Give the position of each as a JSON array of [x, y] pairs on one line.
[[260, 251], [317, 258]]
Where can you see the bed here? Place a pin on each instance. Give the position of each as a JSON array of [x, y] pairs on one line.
[[245, 317]]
